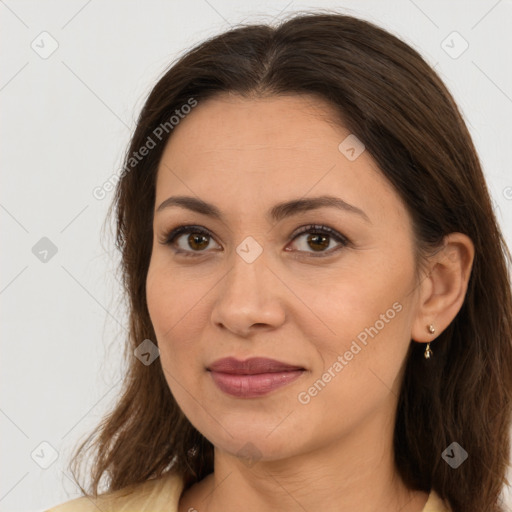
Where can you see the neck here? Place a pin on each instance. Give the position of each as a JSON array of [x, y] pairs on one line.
[[356, 472]]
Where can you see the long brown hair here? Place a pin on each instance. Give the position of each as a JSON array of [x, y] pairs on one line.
[[392, 100]]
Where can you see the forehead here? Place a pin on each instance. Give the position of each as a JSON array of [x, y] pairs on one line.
[[230, 121], [240, 151]]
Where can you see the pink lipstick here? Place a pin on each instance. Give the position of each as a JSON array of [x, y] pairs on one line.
[[253, 377]]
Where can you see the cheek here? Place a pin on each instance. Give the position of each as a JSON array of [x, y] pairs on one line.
[[173, 301], [365, 319], [358, 369], [176, 319]]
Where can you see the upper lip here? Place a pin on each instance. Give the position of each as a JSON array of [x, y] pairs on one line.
[[251, 366]]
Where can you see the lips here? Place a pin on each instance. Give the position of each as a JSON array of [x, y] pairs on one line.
[[251, 366], [253, 377]]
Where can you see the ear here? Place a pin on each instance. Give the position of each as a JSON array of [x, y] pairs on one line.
[[443, 289]]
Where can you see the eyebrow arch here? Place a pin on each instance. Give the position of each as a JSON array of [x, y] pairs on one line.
[[277, 212]]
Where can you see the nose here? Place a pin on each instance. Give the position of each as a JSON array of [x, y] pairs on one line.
[[249, 298]]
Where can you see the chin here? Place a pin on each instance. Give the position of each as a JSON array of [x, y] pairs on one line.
[[257, 445]]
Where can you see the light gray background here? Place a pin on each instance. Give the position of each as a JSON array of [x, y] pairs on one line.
[[66, 120]]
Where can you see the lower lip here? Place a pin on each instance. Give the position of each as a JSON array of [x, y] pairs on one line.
[[252, 386]]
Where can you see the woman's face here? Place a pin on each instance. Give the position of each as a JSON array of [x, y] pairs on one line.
[[336, 308]]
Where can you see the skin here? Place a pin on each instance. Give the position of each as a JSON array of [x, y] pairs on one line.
[[335, 452]]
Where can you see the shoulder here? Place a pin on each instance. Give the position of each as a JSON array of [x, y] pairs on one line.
[[436, 504], [155, 495]]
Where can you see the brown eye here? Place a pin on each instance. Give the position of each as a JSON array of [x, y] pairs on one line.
[[318, 242], [319, 239], [313, 240], [198, 241]]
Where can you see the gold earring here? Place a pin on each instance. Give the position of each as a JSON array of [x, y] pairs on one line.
[[428, 353]]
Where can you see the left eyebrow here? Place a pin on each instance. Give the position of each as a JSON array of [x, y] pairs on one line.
[[277, 212], [287, 208]]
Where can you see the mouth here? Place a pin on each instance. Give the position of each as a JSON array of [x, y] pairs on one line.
[[253, 377]]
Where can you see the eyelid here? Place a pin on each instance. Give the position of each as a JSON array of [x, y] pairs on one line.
[[320, 228], [341, 239], [170, 236]]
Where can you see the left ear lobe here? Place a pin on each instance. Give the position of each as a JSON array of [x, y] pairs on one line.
[[444, 289]]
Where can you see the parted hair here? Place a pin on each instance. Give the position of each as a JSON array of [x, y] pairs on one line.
[[385, 93]]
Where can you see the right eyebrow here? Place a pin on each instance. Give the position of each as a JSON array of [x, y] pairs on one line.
[[277, 212]]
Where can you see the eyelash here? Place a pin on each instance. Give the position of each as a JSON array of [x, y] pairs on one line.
[[317, 229]]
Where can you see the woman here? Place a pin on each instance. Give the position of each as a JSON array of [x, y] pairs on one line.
[[308, 239]]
